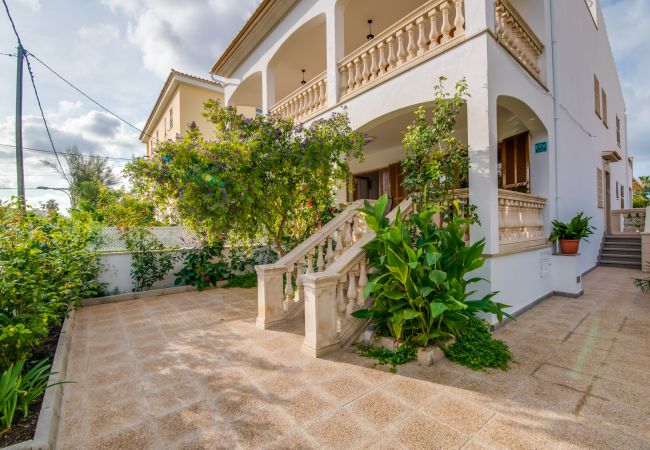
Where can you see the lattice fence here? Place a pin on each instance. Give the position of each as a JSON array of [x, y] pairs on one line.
[[170, 237]]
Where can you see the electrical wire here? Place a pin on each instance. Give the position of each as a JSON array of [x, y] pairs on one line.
[[115, 158], [88, 97], [13, 25], [13, 55]]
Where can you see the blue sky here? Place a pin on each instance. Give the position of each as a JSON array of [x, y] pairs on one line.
[[120, 51]]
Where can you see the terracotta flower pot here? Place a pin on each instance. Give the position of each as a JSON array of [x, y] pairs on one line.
[[569, 246]]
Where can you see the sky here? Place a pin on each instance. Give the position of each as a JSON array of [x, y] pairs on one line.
[[120, 52]]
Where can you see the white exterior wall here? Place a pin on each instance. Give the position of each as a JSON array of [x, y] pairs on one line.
[[565, 174], [116, 273]]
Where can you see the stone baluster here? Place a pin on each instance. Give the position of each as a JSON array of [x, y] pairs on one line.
[[344, 79], [300, 292], [411, 47], [340, 298], [422, 38], [351, 77], [351, 294], [323, 93], [358, 79], [330, 251], [357, 232], [392, 55], [365, 74], [288, 288], [383, 63], [434, 34], [446, 25], [459, 22], [320, 261], [374, 66], [347, 234], [310, 262], [339, 243], [363, 281], [401, 50]]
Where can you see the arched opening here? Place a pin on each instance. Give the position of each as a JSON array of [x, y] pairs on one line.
[[523, 148], [356, 14], [380, 172], [305, 49], [248, 95]]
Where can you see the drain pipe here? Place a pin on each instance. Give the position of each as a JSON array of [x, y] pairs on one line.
[[556, 118]]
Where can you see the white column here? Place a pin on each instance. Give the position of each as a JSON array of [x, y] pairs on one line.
[[321, 335], [483, 178], [335, 50], [270, 295], [268, 89]]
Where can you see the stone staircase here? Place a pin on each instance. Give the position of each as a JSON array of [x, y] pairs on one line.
[[621, 251]]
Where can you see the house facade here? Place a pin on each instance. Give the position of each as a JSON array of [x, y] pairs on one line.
[[545, 125], [180, 103]]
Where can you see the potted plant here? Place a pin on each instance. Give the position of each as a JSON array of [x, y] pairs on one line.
[[570, 234]]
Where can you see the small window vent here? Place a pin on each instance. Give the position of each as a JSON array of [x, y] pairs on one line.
[[545, 264]]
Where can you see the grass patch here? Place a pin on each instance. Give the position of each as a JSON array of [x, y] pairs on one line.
[[476, 349], [402, 355], [248, 280]]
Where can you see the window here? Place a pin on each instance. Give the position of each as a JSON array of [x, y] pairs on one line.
[[597, 95], [599, 187], [622, 196], [513, 156], [171, 117], [618, 131], [617, 191], [604, 111]]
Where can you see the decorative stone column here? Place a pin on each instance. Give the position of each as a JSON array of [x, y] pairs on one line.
[[270, 295], [645, 242], [268, 89], [321, 335], [334, 26]]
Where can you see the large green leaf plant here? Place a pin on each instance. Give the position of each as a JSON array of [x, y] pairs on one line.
[[420, 288]]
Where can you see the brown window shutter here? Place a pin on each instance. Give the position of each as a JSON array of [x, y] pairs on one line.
[[522, 159], [604, 107], [510, 170], [617, 191], [597, 95], [599, 187]]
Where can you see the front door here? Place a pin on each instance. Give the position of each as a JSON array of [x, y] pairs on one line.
[[607, 205], [372, 185]]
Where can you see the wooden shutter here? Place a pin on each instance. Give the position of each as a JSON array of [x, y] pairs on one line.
[[599, 187], [618, 130], [522, 159], [604, 107], [510, 166], [597, 95], [617, 191], [515, 164]]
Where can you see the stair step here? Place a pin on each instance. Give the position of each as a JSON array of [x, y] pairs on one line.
[[626, 250], [626, 264], [623, 238], [616, 257], [622, 244]]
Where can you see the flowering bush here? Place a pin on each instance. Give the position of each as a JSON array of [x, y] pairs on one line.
[[265, 177], [47, 263]]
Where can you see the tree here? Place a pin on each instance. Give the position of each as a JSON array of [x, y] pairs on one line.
[[50, 206], [641, 199], [265, 177], [436, 162], [85, 175], [118, 208]]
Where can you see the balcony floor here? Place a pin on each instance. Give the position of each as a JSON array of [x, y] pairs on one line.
[[192, 371]]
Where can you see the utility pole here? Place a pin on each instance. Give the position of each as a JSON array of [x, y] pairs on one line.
[[20, 175]]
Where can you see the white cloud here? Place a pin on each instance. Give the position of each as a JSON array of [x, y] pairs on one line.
[[34, 5], [101, 33], [187, 35]]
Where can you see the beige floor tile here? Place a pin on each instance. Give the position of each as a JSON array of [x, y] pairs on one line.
[[306, 405], [338, 431], [564, 377], [458, 413], [379, 410], [423, 432]]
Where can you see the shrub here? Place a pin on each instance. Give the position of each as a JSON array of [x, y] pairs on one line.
[[203, 267], [419, 288], [150, 262], [404, 353], [476, 349], [248, 280], [47, 264]]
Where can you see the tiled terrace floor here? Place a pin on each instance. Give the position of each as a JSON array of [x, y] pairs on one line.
[[192, 371]]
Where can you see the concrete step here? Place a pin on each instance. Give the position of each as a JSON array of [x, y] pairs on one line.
[[615, 257], [612, 238], [621, 250], [622, 244], [623, 264]]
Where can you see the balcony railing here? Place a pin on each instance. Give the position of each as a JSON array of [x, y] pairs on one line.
[[305, 101], [433, 27], [518, 38], [627, 221], [521, 225]]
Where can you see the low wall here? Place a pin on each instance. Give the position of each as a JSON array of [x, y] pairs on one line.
[[116, 272]]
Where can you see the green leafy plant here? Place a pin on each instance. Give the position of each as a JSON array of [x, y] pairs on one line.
[[419, 289], [643, 283], [403, 354], [475, 348], [150, 262], [576, 229], [266, 178], [18, 390], [203, 267], [48, 263], [248, 280]]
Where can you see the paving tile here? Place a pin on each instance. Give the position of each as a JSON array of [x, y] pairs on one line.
[[259, 428], [564, 377], [306, 405], [378, 409], [338, 431], [460, 414], [423, 432], [412, 392], [345, 388], [173, 426], [140, 436]]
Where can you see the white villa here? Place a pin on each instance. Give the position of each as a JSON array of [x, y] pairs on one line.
[[545, 124]]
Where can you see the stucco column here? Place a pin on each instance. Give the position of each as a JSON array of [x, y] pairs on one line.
[[479, 14], [320, 314], [334, 26], [270, 295], [483, 178], [268, 89]]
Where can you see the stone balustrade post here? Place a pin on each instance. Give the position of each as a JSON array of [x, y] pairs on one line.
[[270, 295], [321, 334], [645, 242]]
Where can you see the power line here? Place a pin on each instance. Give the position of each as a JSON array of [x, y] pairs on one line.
[[87, 96], [13, 25], [13, 55], [116, 158]]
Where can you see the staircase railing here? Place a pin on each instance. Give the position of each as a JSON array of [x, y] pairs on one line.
[[280, 289]]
